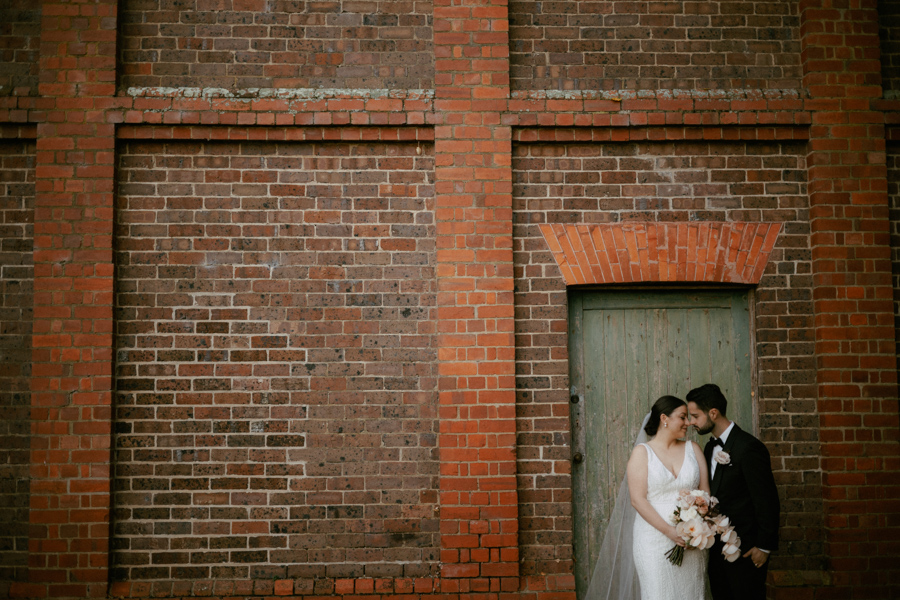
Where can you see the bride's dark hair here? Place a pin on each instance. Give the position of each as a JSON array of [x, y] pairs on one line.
[[666, 405]]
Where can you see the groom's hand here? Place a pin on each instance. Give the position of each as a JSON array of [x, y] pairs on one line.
[[758, 557]]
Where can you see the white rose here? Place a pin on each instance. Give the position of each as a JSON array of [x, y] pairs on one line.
[[690, 514], [723, 458]]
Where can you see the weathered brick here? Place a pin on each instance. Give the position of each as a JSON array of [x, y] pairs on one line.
[[851, 259], [17, 163], [379, 44], [289, 406], [20, 35], [889, 36], [685, 45], [214, 359], [893, 180]]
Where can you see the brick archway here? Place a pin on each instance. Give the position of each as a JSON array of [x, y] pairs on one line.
[[710, 252]]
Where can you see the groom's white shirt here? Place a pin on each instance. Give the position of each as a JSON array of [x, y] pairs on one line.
[[716, 450]]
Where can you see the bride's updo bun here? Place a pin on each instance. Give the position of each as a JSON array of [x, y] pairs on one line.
[[666, 405]]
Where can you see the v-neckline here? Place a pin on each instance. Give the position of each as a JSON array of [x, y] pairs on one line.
[[683, 460]]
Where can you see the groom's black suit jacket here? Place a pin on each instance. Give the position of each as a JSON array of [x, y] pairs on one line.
[[746, 490]]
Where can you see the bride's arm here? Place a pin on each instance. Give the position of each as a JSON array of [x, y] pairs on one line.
[[704, 469], [637, 488]]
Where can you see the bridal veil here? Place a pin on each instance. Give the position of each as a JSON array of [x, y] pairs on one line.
[[614, 576]]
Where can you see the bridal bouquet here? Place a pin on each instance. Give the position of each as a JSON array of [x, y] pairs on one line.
[[697, 521]]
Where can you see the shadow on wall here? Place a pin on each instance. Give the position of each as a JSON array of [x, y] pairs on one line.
[[16, 290]]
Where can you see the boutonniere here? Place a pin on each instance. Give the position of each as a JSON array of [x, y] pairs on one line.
[[723, 458]]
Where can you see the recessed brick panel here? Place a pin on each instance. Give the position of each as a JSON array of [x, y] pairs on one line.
[[16, 290], [275, 362], [592, 45], [893, 178], [266, 44], [668, 182], [20, 38], [889, 34]]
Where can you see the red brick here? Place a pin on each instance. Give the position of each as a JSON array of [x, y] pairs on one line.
[[285, 422]]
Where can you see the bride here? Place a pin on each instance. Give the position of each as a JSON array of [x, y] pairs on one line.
[[661, 465]]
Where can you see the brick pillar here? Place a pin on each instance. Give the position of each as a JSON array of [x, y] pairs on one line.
[[857, 387], [479, 521], [73, 283]]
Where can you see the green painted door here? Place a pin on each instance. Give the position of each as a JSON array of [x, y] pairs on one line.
[[626, 349]]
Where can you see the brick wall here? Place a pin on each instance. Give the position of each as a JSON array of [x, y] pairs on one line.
[[893, 177], [591, 45], [486, 327], [889, 34], [575, 183], [16, 289], [20, 36], [276, 406], [265, 44], [479, 518], [852, 295]]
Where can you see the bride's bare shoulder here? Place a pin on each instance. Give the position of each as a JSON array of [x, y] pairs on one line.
[[696, 448], [638, 453]]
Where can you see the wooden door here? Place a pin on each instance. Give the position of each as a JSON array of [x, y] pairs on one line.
[[627, 348]]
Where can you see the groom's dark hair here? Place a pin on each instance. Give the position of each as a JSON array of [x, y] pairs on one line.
[[708, 397]]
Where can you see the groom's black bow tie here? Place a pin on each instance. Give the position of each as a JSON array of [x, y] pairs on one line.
[[716, 442]]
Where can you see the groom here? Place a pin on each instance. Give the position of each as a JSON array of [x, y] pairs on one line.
[[741, 478]]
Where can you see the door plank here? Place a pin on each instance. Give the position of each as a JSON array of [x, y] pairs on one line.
[[635, 365], [581, 499], [598, 383], [677, 353], [743, 395], [657, 349], [722, 358], [698, 349]]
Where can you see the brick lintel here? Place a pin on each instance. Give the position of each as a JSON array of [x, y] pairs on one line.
[[699, 252]]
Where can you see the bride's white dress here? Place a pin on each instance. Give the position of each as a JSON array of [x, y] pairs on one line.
[[660, 579]]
